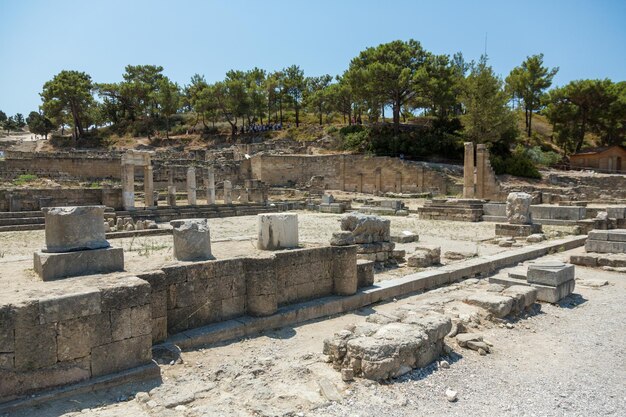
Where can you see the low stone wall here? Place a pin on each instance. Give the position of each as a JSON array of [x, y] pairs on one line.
[[540, 213], [32, 199], [102, 325], [195, 294], [74, 334]]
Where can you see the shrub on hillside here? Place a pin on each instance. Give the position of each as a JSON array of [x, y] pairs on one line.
[[518, 164]]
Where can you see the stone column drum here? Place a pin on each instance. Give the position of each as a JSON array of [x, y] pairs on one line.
[[148, 187], [192, 239], [76, 244], [277, 231], [518, 208], [74, 228], [128, 186]]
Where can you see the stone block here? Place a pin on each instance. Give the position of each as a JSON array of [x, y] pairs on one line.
[[498, 305], [328, 199], [7, 328], [192, 240], [277, 231], [120, 324], [125, 293], [367, 229], [616, 212], [121, 355], [424, 256], [342, 239], [552, 273], [141, 320], [75, 338], [523, 296], [74, 228], [365, 273], [51, 266], [605, 246], [550, 294], [35, 346], [517, 230], [159, 329], [158, 301], [233, 307], [55, 308], [584, 260], [405, 237]]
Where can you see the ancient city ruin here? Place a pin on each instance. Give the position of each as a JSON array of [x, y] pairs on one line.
[[258, 209]]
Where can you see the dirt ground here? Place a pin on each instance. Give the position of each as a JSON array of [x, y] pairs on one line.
[[562, 360], [236, 237]]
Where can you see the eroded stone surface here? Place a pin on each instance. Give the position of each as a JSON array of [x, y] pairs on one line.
[[74, 228], [518, 208], [192, 239]]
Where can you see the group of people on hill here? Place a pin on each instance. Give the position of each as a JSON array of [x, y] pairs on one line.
[[255, 127]]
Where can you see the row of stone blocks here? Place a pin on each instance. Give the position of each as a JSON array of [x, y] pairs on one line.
[[606, 241], [553, 280]]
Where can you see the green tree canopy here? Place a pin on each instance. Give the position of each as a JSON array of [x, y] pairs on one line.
[[39, 124], [529, 83], [68, 92]]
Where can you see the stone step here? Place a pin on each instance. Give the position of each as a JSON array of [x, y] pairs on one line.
[[506, 280], [22, 227], [21, 221], [20, 214]]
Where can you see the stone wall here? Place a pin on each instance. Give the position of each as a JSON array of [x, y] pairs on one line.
[[195, 294], [75, 334], [29, 199], [349, 173]]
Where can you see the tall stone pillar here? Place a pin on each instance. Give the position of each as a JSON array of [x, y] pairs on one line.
[[399, 182], [171, 189], [210, 192], [191, 186], [379, 181], [360, 184], [128, 186], [228, 192], [468, 171], [148, 186], [481, 163]]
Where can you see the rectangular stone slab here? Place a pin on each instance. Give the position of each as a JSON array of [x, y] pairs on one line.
[[551, 294], [550, 276], [51, 266]]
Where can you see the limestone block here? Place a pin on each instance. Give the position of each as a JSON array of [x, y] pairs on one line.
[[616, 212], [342, 239], [55, 308], [141, 320], [76, 337], [277, 231], [118, 356], [261, 286], [159, 329], [523, 296], [552, 273], [405, 237], [35, 346], [120, 324], [74, 228], [518, 208], [171, 195], [517, 230], [551, 294], [425, 256], [192, 239], [366, 229], [228, 190], [125, 293], [365, 273], [51, 266], [498, 305]]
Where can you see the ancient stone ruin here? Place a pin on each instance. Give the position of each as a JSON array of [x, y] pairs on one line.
[[76, 244], [370, 234]]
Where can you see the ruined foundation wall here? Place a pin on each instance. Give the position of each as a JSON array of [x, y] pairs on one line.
[[349, 172], [30, 199], [197, 294], [74, 335]]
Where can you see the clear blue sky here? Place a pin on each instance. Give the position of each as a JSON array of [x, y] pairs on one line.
[[586, 39]]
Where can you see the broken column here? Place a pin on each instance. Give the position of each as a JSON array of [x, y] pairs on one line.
[[228, 192], [519, 218], [468, 171], [210, 192], [277, 231], [191, 186], [171, 189], [76, 244], [371, 234], [192, 239]]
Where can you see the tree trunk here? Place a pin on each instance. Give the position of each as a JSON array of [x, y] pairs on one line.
[[530, 122], [583, 127], [167, 127], [396, 117], [297, 115], [280, 107]]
